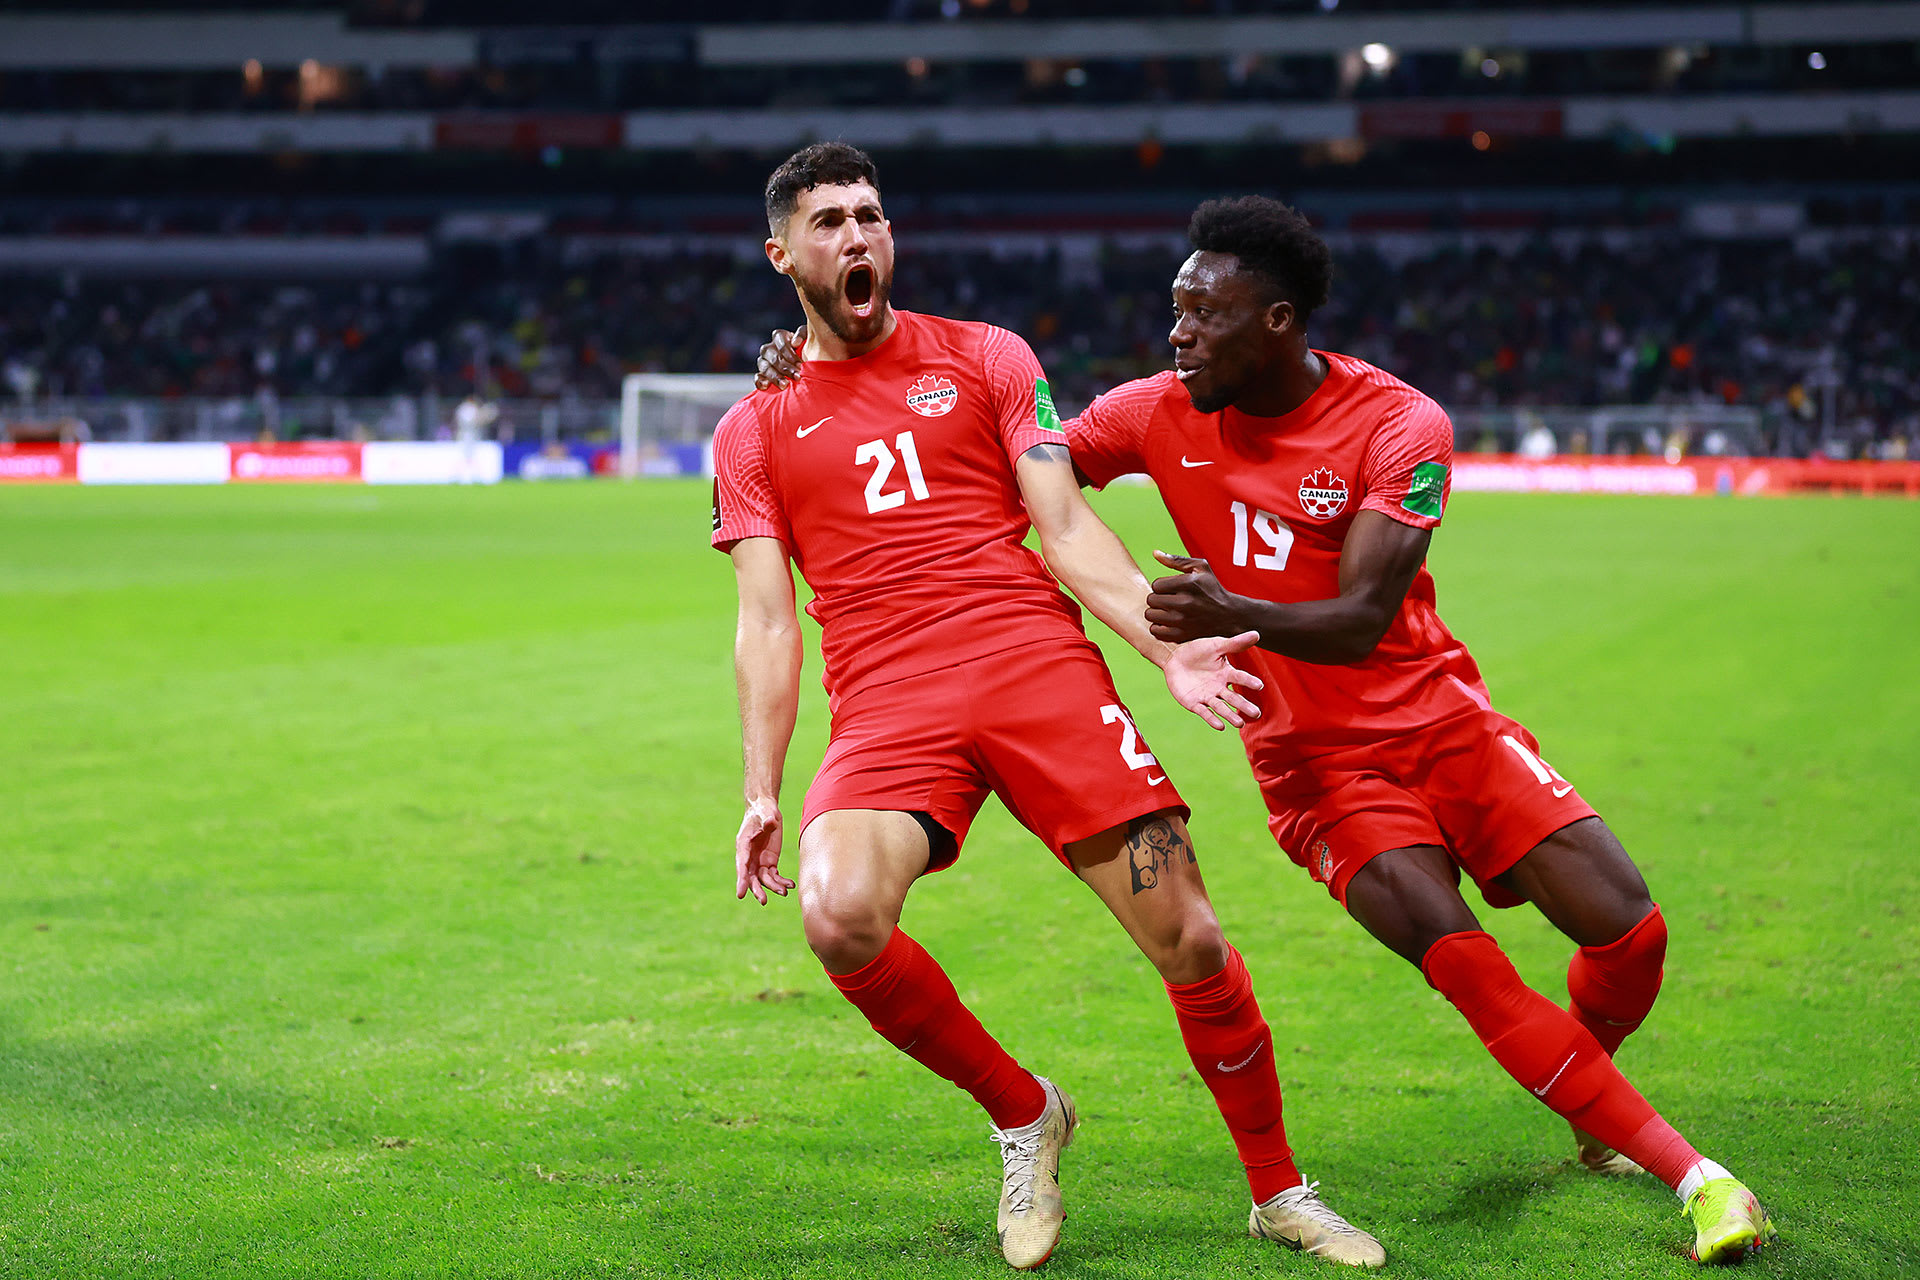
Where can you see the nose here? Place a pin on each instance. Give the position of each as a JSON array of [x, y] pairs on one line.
[[1180, 335], [856, 243]]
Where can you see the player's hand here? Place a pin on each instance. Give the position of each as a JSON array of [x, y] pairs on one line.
[[1203, 680], [779, 359], [756, 853], [1191, 603]]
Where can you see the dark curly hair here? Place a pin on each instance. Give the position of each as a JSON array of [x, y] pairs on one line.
[[1272, 240], [824, 164]]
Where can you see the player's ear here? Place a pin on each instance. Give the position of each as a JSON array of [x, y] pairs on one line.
[[777, 254], [1280, 318]]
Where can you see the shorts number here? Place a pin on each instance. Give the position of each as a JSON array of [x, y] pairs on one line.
[[1272, 530], [1540, 769], [1114, 713], [876, 451]]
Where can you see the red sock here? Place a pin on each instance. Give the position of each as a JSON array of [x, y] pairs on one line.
[[1612, 988], [1555, 1058], [1232, 1049], [910, 1001]]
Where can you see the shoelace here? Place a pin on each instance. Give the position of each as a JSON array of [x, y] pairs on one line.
[[1020, 1156], [1307, 1202]]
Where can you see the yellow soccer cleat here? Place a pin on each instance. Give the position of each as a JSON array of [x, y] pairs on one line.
[[1728, 1223], [1299, 1219], [1031, 1211]]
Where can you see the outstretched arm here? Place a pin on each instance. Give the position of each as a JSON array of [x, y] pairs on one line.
[[766, 671], [1377, 566], [1086, 556]]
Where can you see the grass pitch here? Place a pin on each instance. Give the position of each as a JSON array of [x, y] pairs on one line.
[[368, 913]]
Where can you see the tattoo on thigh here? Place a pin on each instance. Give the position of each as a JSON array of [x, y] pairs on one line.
[[1155, 845]]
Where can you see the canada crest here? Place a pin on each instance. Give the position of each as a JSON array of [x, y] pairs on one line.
[[932, 395], [1323, 495]]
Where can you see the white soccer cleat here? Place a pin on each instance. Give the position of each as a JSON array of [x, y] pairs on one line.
[[1031, 1211], [1299, 1219], [1597, 1157]]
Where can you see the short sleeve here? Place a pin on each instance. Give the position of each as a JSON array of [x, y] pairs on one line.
[[1109, 440], [1022, 401], [1408, 469], [744, 502]]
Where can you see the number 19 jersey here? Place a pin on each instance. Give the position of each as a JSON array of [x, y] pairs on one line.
[[1267, 502], [889, 478]]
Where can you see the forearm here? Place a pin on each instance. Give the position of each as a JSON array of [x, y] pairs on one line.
[[766, 671], [1332, 632], [1093, 564]]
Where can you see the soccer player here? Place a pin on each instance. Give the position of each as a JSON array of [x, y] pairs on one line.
[[901, 474], [1307, 485]]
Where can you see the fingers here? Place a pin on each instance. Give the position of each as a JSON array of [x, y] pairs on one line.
[[1172, 635], [1225, 710], [1185, 564], [1244, 679], [1246, 708], [1240, 643]]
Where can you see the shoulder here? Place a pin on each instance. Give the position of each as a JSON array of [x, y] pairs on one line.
[[743, 428], [1143, 393], [1397, 400]]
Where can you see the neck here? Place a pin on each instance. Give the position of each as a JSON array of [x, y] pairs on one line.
[[1285, 385], [824, 344]]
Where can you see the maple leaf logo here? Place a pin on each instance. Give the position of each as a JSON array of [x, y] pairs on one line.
[[1323, 495], [932, 395]]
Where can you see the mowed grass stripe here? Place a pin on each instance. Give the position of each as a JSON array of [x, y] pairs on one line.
[[370, 911]]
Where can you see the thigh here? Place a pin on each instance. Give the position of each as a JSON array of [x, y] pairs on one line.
[[1409, 899], [905, 747], [1059, 747], [1148, 877], [1494, 796], [860, 863], [1583, 881]]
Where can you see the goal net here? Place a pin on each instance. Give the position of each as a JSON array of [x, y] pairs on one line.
[[664, 414]]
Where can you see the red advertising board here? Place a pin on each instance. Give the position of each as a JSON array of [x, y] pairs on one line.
[[39, 463], [1473, 472], [503, 131], [1449, 120], [304, 461]]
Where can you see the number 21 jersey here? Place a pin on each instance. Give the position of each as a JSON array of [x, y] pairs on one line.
[[889, 478]]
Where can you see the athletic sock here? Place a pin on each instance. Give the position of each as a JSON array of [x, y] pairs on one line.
[[1612, 988], [911, 1002], [1232, 1049], [1552, 1056]]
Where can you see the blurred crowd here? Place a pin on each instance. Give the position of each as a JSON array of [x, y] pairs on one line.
[[1818, 336]]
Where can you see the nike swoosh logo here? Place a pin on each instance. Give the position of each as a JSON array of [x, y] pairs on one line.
[[1240, 1065], [804, 432], [1561, 791], [1185, 463], [1154, 782], [1541, 1092]]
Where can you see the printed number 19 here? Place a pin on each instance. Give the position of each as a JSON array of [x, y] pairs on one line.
[[1272, 530], [876, 451]]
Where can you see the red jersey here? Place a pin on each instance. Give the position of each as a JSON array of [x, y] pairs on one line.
[[890, 480], [1267, 503]]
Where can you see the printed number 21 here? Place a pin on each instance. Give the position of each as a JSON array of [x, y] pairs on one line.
[[876, 451], [1272, 530]]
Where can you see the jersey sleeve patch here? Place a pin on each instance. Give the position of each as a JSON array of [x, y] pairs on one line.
[[1044, 415], [1425, 493]]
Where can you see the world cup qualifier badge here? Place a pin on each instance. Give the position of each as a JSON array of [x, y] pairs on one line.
[[1322, 862], [932, 395], [1323, 495]]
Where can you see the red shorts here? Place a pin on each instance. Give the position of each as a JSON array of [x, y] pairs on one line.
[[1474, 784], [1042, 728]]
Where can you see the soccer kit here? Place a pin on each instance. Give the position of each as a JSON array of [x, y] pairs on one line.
[[1404, 747], [955, 665]]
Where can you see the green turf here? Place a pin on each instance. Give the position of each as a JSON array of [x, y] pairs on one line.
[[368, 913]]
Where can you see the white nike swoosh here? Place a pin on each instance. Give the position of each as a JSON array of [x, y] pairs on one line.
[[1541, 1092], [1185, 463], [1243, 1062], [1561, 791], [1154, 782], [804, 432]]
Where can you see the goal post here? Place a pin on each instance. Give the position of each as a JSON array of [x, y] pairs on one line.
[[661, 409]]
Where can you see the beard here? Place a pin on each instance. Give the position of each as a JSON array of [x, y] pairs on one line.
[[829, 302]]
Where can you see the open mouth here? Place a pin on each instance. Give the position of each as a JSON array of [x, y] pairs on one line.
[[1186, 371], [860, 290]]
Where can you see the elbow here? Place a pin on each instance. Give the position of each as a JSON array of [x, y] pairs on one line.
[[1358, 641]]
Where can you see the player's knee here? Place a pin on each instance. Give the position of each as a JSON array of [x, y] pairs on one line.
[[1191, 949], [844, 933]]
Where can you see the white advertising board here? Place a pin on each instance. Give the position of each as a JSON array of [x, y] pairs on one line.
[[192, 463], [431, 462]]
